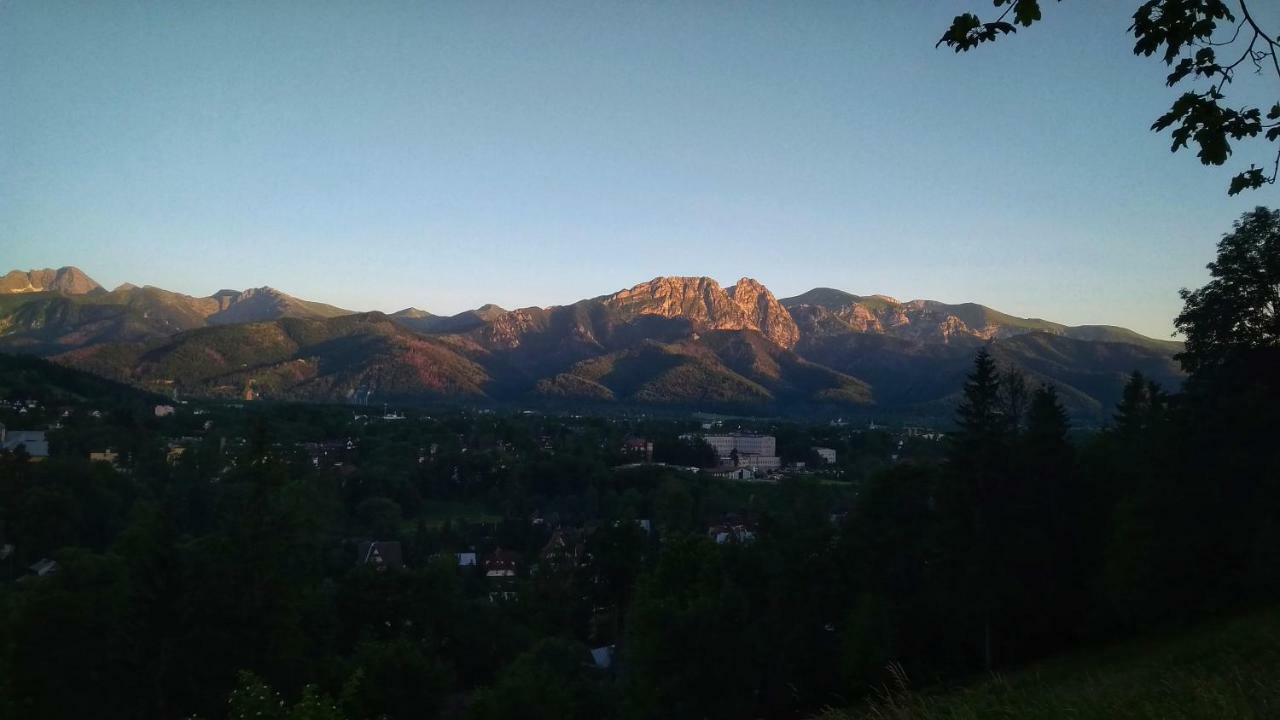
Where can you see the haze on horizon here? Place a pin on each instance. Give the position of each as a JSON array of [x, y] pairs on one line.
[[377, 156]]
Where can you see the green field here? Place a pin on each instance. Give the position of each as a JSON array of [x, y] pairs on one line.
[[1220, 670]]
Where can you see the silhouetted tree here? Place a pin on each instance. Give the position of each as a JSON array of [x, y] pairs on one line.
[[1239, 309], [977, 470], [1204, 40]]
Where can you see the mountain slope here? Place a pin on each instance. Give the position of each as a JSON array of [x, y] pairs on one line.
[[32, 378], [907, 373], [49, 322], [344, 358]]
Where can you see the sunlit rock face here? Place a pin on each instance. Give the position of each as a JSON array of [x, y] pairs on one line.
[[747, 305]]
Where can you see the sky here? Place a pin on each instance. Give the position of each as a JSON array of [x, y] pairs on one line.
[[442, 155]]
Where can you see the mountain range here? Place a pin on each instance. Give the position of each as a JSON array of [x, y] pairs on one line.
[[684, 342]]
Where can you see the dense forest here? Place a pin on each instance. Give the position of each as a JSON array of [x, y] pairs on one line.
[[218, 563]]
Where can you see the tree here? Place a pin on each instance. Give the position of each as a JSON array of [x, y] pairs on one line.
[[1239, 309], [981, 416], [673, 506], [1043, 514], [379, 516], [977, 467], [1015, 396], [1141, 407], [1047, 423], [254, 699], [552, 680], [1202, 40]]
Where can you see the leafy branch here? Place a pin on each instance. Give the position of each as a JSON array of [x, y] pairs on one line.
[[1188, 35]]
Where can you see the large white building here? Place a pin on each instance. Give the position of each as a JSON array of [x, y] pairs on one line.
[[764, 445], [755, 451]]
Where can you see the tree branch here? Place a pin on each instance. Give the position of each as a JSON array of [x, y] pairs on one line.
[[1258, 33]]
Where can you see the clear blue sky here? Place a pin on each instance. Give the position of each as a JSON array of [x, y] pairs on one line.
[[376, 155]]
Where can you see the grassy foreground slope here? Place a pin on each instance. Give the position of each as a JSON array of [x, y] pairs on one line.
[[1223, 669]]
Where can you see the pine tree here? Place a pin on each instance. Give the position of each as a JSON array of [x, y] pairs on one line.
[[978, 463]]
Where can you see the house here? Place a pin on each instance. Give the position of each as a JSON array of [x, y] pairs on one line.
[[500, 570], [106, 456], [639, 448], [31, 441], [44, 567], [175, 453], [731, 533], [602, 657], [380, 553], [565, 549], [500, 564]]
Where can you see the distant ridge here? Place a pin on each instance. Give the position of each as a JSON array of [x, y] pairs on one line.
[[674, 341], [828, 310]]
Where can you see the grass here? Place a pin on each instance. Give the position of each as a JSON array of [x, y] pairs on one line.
[[1224, 669]]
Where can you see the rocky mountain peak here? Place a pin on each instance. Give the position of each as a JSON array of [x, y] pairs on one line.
[[68, 280], [765, 312], [747, 305]]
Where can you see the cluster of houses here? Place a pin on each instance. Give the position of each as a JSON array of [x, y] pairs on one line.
[[21, 407]]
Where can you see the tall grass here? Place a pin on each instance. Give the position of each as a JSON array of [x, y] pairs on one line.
[[1221, 671]]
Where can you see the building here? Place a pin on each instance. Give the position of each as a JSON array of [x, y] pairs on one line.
[[826, 454], [735, 473], [500, 564], [163, 410], [759, 462], [31, 441], [500, 571], [44, 567], [602, 657], [106, 456], [761, 445], [380, 553], [639, 448], [759, 452], [466, 559], [175, 453], [565, 549], [731, 533]]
